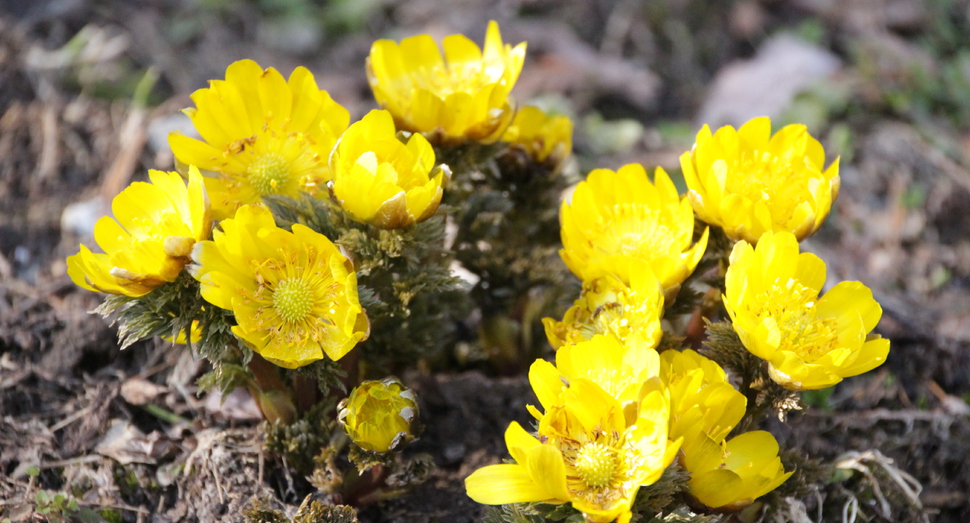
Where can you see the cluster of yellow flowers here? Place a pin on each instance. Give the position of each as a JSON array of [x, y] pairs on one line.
[[294, 294], [615, 412]]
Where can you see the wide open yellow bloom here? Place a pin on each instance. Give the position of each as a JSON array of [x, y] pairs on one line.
[[380, 180], [544, 137], [157, 225], [587, 453], [293, 294], [463, 96], [379, 415], [702, 400], [609, 306], [730, 476], [261, 134], [615, 216], [810, 342], [749, 182]]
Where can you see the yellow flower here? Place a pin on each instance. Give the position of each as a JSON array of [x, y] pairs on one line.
[[380, 180], [810, 342], [620, 369], [704, 408], [729, 476], [463, 96], [379, 415], [609, 306], [588, 453], [749, 182], [543, 137], [157, 224], [294, 296], [702, 400], [261, 134], [615, 216]]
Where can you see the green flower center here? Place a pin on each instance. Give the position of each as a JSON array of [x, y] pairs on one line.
[[595, 464], [293, 299], [269, 173]]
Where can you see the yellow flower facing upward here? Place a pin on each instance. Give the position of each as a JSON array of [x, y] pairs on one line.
[[729, 476], [615, 216], [749, 182], [293, 294], [149, 244], [609, 306], [702, 400], [383, 182], [544, 137], [379, 416], [262, 134], [462, 96], [587, 453], [809, 341]]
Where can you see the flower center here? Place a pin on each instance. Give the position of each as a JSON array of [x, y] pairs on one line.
[[595, 464], [792, 306], [269, 173], [637, 230], [780, 182], [292, 299], [458, 77]]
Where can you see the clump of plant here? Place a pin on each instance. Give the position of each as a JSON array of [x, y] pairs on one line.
[[306, 257]]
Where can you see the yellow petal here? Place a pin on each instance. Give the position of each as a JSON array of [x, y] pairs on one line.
[[546, 382], [547, 470], [503, 484]]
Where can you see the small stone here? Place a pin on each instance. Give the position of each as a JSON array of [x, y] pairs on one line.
[[766, 85]]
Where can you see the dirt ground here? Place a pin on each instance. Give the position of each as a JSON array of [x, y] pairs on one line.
[[89, 90]]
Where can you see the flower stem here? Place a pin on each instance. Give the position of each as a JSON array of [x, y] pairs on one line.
[[274, 398]]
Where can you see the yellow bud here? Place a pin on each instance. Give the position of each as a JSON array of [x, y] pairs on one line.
[[379, 416]]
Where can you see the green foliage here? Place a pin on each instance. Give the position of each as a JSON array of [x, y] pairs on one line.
[[564, 512], [225, 377], [684, 515], [651, 500], [259, 514], [818, 398], [505, 208], [763, 394], [326, 373], [310, 511], [299, 442], [170, 310], [364, 459], [60, 507], [725, 348], [513, 513]]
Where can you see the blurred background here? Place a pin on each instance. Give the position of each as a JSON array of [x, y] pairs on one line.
[[89, 91]]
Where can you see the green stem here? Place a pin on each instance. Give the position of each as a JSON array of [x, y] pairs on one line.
[[274, 398]]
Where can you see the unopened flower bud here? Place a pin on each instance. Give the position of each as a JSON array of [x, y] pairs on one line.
[[379, 416]]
